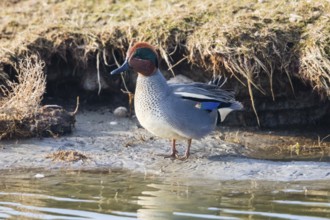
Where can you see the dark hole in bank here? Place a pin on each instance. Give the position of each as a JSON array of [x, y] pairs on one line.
[[68, 78]]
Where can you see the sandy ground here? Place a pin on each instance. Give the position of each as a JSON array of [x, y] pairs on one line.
[[110, 142]]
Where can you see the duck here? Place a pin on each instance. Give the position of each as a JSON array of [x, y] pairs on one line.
[[175, 111]]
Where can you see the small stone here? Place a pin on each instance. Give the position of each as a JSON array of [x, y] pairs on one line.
[[113, 123], [180, 79], [120, 112], [39, 175]]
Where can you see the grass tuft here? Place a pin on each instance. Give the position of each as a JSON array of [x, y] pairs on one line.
[[22, 99]]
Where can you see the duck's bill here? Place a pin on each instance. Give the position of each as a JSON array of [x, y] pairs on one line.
[[121, 69]]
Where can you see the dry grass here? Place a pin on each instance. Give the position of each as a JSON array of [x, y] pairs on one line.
[[67, 156], [22, 99], [263, 44], [315, 62]]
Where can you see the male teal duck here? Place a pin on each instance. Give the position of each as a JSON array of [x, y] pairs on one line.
[[174, 111]]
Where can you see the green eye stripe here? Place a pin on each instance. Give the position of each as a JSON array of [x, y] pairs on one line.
[[146, 54]]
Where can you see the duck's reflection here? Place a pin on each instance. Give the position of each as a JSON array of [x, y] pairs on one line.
[[162, 202]]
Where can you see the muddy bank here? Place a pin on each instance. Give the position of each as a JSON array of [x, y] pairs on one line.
[[110, 142], [285, 145], [274, 53]]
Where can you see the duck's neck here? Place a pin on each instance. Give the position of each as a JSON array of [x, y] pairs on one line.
[[155, 83]]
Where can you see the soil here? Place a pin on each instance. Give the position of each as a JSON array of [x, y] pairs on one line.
[[101, 140], [50, 120]]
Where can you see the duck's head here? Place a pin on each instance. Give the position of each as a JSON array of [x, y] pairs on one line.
[[142, 58]]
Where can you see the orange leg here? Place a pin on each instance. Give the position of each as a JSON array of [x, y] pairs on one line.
[[174, 152], [187, 153]]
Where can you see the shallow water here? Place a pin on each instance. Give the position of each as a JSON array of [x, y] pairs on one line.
[[39, 194]]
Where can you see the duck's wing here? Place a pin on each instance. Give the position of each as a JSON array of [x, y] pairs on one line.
[[202, 92], [208, 97]]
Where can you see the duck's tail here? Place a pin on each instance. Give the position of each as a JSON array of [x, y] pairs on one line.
[[224, 111]]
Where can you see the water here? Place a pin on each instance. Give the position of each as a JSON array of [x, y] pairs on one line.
[[122, 195]]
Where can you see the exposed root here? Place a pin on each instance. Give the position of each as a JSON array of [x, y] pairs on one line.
[[98, 72], [177, 63], [166, 58], [252, 102], [257, 41], [77, 107]]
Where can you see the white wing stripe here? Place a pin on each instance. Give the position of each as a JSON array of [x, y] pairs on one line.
[[194, 95]]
